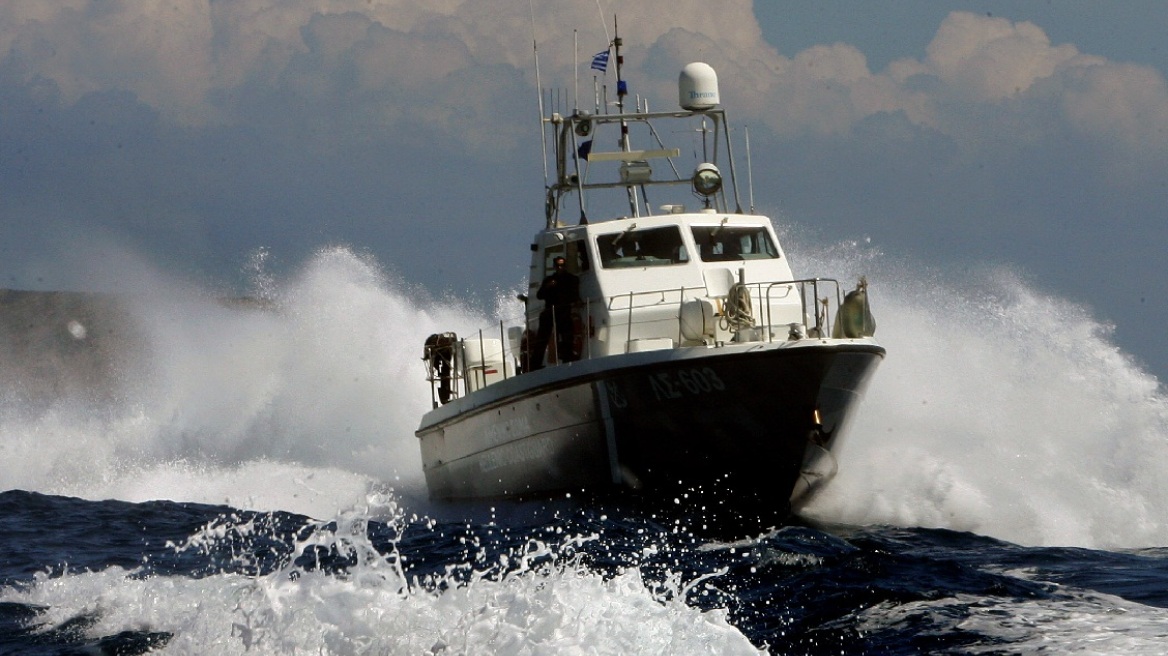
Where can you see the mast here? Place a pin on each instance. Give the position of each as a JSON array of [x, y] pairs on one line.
[[622, 90]]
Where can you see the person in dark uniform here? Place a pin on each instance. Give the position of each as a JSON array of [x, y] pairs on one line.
[[559, 292]]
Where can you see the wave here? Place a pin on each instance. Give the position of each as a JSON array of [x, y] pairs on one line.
[[999, 410], [319, 379]]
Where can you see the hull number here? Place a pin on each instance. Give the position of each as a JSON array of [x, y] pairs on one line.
[[693, 382]]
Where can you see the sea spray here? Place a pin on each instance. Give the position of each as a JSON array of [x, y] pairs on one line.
[[313, 377], [972, 362], [276, 583], [1000, 410]]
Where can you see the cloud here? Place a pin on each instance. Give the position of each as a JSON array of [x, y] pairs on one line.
[[157, 50], [198, 131], [380, 63], [990, 59], [185, 57], [975, 67], [1121, 103]]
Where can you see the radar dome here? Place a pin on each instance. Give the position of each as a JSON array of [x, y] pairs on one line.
[[697, 87]]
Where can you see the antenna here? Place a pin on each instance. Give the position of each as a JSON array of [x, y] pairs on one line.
[[539, 92], [749, 170], [621, 91], [602, 24]]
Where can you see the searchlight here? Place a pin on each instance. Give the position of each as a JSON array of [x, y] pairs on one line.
[[707, 180]]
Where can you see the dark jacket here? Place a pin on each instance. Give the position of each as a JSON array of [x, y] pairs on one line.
[[559, 290]]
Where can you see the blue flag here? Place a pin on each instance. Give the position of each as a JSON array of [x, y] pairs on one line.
[[600, 61]]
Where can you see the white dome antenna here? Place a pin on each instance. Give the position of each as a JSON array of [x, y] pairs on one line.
[[697, 87]]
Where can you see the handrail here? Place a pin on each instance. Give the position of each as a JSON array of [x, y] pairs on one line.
[[767, 297], [820, 321]]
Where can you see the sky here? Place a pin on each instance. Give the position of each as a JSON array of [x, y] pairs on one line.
[[206, 139]]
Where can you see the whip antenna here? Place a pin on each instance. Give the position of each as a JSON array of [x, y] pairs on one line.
[[602, 23], [749, 170], [539, 92]]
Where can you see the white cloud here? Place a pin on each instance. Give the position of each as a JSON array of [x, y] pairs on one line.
[[399, 67], [195, 61], [989, 59], [173, 53], [156, 49], [1121, 103], [200, 126], [975, 66]]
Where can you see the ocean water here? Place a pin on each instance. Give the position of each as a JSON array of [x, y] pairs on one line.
[[248, 482]]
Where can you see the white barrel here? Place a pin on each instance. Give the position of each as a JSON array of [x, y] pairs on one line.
[[697, 87], [482, 352], [697, 319]]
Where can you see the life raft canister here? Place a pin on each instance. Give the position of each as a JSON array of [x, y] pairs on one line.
[[854, 318]]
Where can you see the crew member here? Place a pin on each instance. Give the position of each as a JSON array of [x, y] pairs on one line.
[[559, 291]]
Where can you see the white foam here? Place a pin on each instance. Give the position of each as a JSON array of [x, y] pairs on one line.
[[304, 406], [373, 608], [999, 410], [231, 614], [1082, 623]]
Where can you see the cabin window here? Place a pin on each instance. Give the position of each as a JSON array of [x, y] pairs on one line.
[[725, 243], [639, 248], [574, 253]]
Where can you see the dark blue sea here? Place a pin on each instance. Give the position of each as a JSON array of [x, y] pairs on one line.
[[112, 577], [184, 475]]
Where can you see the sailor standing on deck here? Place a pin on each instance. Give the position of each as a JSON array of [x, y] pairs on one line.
[[559, 292]]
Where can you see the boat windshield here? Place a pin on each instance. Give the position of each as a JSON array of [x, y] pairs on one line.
[[722, 243], [638, 248]]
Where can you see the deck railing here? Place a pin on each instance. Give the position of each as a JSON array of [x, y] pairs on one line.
[[456, 365]]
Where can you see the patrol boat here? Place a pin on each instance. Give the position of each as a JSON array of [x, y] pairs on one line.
[[696, 367]]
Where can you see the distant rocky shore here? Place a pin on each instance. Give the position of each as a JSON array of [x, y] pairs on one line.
[[61, 345]]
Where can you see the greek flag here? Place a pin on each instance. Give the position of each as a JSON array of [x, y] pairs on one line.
[[600, 61]]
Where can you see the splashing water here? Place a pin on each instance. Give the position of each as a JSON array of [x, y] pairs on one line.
[[301, 402], [329, 588], [999, 409], [1002, 411]]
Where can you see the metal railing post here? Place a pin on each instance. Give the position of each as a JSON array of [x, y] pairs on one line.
[[629, 326], [503, 348], [588, 327]]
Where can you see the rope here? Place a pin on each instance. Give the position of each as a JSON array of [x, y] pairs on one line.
[[738, 312]]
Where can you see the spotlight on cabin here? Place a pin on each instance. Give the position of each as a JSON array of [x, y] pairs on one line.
[[707, 180]]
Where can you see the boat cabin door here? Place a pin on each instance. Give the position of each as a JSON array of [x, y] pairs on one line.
[[577, 262]]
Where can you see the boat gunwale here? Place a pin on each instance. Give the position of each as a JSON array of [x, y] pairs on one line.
[[571, 374]]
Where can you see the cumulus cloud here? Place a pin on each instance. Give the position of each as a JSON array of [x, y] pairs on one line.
[[1123, 103], [202, 130], [974, 65], [992, 58], [185, 57], [197, 61]]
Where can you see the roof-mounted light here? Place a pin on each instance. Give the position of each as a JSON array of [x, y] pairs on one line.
[[583, 124], [707, 180]]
